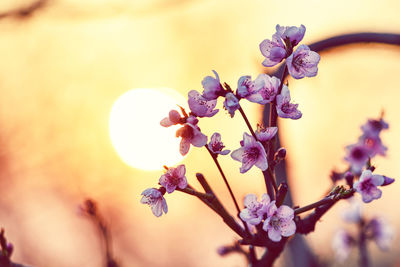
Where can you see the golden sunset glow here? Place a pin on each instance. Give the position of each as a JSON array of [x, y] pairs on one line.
[[135, 129]]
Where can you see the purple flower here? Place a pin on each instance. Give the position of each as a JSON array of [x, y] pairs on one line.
[[291, 34], [200, 106], [357, 156], [381, 232], [212, 87], [254, 212], [190, 135], [367, 186], [373, 144], [231, 103], [251, 153], [173, 118], [273, 50], [154, 198], [265, 134], [341, 244], [245, 86], [303, 63], [173, 178], [284, 108], [374, 127], [216, 146], [279, 222], [265, 89]]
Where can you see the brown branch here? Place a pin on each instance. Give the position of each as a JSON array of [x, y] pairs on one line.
[[26, 11]]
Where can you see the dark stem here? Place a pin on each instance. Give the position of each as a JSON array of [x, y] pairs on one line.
[[224, 178], [362, 245], [247, 123], [273, 115]]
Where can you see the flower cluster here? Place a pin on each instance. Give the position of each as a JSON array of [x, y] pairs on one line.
[[173, 178], [368, 146], [272, 220], [375, 229], [277, 221]]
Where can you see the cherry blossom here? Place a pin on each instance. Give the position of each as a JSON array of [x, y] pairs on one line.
[[367, 186], [303, 63], [265, 89], [212, 87], [273, 50], [357, 156], [231, 103], [265, 134], [251, 153], [254, 212], [284, 108], [173, 178], [291, 34], [190, 135], [154, 198], [173, 118], [200, 106], [216, 146], [279, 222]]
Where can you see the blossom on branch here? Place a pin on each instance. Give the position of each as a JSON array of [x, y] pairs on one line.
[[212, 87], [303, 63], [265, 89], [216, 146], [284, 108], [190, 135], [173, 118], [200, 106], [231, 103], [265, 134], [279, 222], [367, 186], [173, 178], [251, 153], [291, 34], [154, 198], [254, 212]]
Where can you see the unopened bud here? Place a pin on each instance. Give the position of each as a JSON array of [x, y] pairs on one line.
[[349, 178], [280, 154], [387, 180]]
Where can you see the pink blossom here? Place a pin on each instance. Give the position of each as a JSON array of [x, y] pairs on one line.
[[245, 86], [273, 50], [291, 34], [265, 89], [231, 103], [212, 87], [265, 134], [357, 156], [251, 153], [173, 118], [381, 232], [254, 212], [367, 186], [374, 127], [373, 144], [303, 63], [216, 146], [154, 198], [190, 135], [200, 106], [284, 108], [173, 178], [342, 243], [279, 222]]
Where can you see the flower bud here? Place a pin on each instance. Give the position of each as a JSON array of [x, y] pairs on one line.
[[387, 180]]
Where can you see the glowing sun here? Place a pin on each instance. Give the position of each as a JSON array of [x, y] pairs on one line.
[[135, 129]]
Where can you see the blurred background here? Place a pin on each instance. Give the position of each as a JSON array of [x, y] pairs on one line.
[[64, 64]]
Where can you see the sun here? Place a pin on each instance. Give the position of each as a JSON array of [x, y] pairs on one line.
[[135, 129]]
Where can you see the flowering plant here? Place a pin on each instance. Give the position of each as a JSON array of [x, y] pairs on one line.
[[267, 223]]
